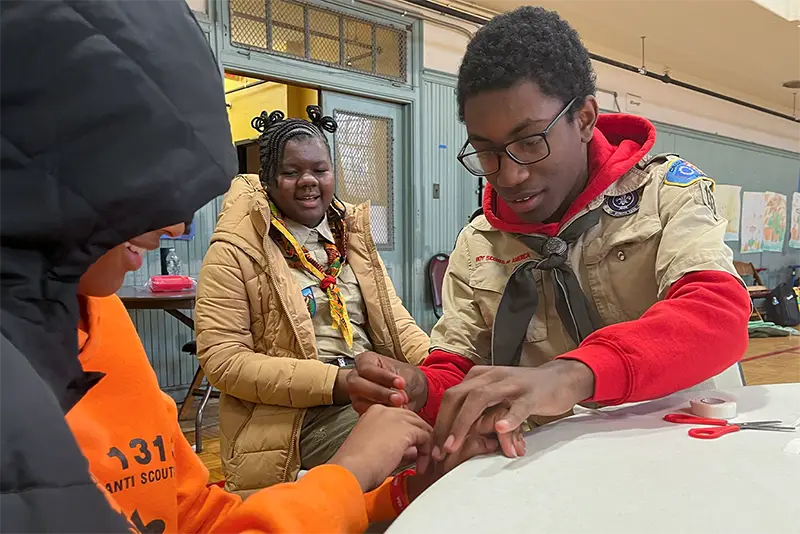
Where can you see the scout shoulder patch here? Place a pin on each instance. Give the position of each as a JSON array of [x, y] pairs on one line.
[[311, 302], [683, 174], [623, 205]]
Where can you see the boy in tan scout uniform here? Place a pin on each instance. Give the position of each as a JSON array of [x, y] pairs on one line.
[[595, 273]]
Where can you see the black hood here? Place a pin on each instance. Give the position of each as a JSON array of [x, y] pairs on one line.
[[113, 125]]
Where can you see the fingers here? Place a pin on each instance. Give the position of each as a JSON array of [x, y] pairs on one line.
[[476, 400], [364, 391], [421, 439], [409, 456], [517, 413], [507, 444], [451, 405], [424, 462], [380, 374], [486, 425], [419, 432], [521, 446]]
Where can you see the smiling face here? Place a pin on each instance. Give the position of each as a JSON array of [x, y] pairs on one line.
[[543, 191], [303, 188], [107, 274]]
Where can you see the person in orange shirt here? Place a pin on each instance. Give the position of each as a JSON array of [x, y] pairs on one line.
[[128, 430]]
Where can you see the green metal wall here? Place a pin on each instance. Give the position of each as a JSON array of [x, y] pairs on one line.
[[753, 167], [442, 138]]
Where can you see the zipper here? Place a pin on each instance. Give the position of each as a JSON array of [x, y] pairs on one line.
[[239, 432], [292, 445], [278, 290], [298, 418], [383, 293]]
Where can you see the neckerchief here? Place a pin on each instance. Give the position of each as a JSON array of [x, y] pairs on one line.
[[298, 257]]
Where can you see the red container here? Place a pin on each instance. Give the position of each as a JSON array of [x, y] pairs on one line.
[[166, 283]]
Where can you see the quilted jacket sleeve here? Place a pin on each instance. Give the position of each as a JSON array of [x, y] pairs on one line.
[[225, 343], [414, 342]]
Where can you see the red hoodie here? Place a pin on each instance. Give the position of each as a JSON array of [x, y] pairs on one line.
[[697, 331]]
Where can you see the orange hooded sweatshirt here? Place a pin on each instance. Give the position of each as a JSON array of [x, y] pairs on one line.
[[128, 430]]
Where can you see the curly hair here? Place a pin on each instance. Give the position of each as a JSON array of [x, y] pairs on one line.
[[276, 131], [527, 44]]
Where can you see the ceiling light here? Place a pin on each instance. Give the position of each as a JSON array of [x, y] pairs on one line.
[[792, 84]]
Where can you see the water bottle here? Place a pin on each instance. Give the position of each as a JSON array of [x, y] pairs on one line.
[[173, 263]]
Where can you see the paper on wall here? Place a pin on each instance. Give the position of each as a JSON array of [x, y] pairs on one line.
[[729, 206], [752, 234], [794, 237], [774, 222]]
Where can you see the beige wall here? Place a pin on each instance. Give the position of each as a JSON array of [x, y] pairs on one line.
[[201, 6], [444, 48]]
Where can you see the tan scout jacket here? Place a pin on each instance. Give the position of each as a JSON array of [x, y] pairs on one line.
[[256, 342], [624, 264]]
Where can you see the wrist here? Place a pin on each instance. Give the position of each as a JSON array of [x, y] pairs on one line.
[[340, 394], [576, 377], [417, 389], [400, 489], [416, 484], [352, 465]]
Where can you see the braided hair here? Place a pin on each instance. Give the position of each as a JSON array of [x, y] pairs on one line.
[[276, 131]]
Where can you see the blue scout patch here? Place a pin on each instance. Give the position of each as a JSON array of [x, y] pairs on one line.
[[683, 174], [623, 205], [311, 302]]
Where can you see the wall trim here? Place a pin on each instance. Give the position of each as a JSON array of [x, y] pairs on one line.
[[449, 79], [440, 77], [320, 76], [730, 141]]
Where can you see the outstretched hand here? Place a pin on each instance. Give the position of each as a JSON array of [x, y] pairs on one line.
[[500, 399]]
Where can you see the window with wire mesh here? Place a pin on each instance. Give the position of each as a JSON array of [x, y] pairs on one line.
[[301, 30], [365, 169]]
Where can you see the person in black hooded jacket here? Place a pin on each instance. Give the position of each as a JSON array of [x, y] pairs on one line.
[[109, 109]]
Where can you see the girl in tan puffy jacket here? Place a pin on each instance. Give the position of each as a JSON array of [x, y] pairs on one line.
[[291, 290]]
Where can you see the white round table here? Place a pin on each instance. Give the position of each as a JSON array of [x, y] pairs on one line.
[[625, 470]]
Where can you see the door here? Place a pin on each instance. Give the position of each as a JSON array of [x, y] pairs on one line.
[[368, 150]]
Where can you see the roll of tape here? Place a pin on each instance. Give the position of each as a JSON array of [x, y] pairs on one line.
[[713, 407]]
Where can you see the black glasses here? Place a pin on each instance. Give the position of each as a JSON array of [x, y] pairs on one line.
[[525, 151]]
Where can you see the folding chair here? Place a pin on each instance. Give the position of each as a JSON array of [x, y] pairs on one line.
[[436, 269], [196, 390]]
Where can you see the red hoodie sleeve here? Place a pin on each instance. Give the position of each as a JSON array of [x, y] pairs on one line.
[[696, 332], [443, 370], [675, 345]]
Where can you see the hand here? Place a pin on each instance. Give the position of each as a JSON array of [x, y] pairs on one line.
[[429, 472], [381, 439], [340, 394], [504, 397], [379, 379]]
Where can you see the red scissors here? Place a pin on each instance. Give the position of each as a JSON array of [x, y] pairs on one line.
[[723, 426]]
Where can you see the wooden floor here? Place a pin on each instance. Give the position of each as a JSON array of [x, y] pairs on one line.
[[767, 361]]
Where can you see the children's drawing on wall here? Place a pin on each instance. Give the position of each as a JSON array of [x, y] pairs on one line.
[[753, 207], [774, 222], [729, 205], [794, 237]]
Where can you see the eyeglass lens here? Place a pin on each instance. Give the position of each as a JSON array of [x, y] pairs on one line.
[[525, 151]]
